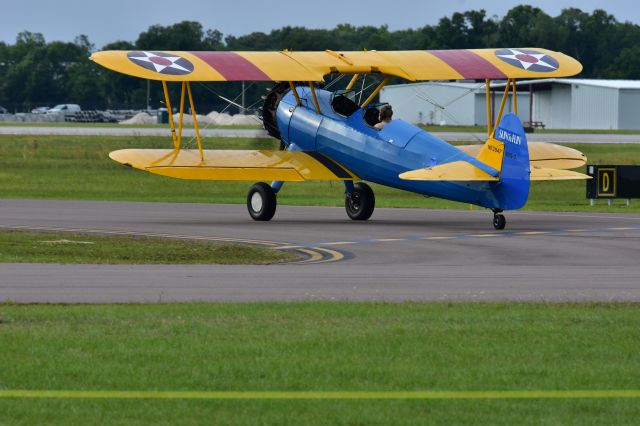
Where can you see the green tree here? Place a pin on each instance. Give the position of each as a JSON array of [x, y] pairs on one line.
[[626, 64], [185, 35], [33, 71], [515, 29]]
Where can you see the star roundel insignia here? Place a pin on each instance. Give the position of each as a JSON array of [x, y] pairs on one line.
[[161, 62], [527, 59]]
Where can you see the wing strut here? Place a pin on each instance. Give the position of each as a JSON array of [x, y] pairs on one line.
[[353, 81], [515, 97], [315, 97], [511, 85], [487, 83], [295, 92], [167, 102], [180, 120], [177, 138], [507, 89], [375, 92], [195, 120]]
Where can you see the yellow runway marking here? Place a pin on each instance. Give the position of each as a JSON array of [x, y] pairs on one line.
[[314, 255], [532, 233], [515, 394], [339, 243], [437, 238], [334, 255], [485, 235]]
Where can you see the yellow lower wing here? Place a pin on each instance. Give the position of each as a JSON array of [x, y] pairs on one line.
[[288, 166], [455, 171]]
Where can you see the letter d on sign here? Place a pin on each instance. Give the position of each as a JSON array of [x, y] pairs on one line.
[[607, 182]]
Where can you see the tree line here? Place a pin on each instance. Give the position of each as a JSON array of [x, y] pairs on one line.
[[34, 72]]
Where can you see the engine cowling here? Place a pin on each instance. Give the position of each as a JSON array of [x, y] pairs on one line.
[[270, 106]]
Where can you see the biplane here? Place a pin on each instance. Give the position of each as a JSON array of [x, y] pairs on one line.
[[328, 135]]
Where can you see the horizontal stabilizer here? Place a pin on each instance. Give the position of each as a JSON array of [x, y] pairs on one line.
[[455, 171], [543, 154], [239, 165], [541, 173]]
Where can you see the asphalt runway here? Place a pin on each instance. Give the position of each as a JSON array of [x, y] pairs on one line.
[[399, 255], [128, 131]]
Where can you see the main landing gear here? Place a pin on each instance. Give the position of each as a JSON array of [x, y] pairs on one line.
[[360, 201], [499, 222], [261, 202]]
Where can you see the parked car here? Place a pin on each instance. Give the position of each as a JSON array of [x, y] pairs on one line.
[[65, 109], [3, 110], [40, 110]]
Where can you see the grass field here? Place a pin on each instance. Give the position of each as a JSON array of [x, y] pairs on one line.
[[66, 167], [320, 347], [40, 247]]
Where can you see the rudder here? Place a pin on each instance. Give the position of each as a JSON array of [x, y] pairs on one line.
[[512, 191]]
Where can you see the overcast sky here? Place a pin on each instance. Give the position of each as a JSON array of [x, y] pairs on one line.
[[111, 20]]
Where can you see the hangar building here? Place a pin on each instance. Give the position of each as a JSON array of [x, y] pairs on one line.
[[556, 103]]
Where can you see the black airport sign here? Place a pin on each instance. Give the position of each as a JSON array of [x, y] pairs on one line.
[[613, 181]]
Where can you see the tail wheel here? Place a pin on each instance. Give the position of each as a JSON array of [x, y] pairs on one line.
[[261, 202], [499, 222], [360, 202]]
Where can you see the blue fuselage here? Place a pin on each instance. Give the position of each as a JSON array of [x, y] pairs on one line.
[[378, 156]]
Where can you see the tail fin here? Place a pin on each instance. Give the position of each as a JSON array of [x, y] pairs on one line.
[[508, 153]]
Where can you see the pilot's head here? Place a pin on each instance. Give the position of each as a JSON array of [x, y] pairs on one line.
[[385, 112]]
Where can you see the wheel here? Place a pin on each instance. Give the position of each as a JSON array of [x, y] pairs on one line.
[[361, 202], [499, 221], [261, 202]]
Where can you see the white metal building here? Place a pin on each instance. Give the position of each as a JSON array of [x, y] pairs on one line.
[[587, 104], [557, 103]]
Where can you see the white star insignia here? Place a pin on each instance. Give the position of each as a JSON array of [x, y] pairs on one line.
[[160, 64], [525, 64]]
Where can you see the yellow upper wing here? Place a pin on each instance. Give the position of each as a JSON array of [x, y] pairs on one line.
[[288, 166], [312, 66]]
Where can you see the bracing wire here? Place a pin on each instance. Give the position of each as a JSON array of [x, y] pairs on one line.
[[443, 107], [229, 104]]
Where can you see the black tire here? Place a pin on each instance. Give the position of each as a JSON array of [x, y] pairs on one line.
[[361, 202], [261, 202], [499, 222]]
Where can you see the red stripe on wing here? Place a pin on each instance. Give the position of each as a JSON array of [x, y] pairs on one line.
[[232, 66], [468, 64]]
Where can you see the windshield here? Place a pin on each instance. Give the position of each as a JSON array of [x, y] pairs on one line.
[[343, 102]]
